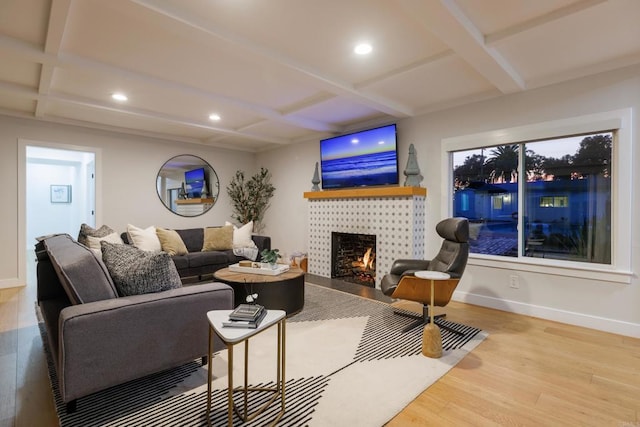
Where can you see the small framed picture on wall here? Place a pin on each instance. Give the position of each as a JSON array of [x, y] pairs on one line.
[[60, 194]]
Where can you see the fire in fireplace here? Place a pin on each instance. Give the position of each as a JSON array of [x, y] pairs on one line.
[[353, 258]]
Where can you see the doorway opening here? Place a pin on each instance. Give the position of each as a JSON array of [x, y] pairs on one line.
[[59, 195]]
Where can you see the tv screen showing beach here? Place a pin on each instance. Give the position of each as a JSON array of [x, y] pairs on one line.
[[366, 158], [195, 182]]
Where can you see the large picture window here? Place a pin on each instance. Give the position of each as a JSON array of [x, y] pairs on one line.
[[548, 198]]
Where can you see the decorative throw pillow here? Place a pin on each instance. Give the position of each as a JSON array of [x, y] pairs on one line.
[[242, 236], [88, 231], [171, 242], [94, 242], [145, 239], [218, 238], [135, 271]]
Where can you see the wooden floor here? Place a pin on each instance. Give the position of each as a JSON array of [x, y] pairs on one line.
[[528, 372], [25, 393]]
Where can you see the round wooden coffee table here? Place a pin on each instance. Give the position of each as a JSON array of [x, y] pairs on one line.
[[282, 292]]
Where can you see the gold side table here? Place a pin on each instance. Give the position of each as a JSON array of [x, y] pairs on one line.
[[233, 336], [431, 337]]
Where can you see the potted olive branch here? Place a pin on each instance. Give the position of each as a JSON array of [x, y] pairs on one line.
[[250, 197]]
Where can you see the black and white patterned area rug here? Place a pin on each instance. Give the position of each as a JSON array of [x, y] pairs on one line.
[[347, 364]]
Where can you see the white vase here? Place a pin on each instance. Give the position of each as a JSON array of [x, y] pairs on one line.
[[205, 193]]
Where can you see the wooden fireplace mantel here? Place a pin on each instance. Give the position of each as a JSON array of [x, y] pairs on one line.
[[366, 192]]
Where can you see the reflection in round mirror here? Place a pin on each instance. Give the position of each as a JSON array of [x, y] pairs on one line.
[[187, 185]]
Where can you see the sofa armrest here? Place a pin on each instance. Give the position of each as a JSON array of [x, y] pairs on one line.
[[105, 343]]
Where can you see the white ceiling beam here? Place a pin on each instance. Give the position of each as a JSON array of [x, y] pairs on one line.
[[308, 102], [538, 21], [63, 60], [140, 112], [27, 50], [19, 90], [30, 93], [619, 63], [331, 83], [44, 86], [447, 21], [265, 112], [398, 72], [58, 15], [220, 142], [98, 126], [463, 100], [57, 23]]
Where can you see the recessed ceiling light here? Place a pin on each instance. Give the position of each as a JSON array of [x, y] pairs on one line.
[[119, 96], [214, 117], [363, 49]]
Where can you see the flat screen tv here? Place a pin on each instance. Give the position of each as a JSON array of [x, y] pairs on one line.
[[194, 180], [359, 159]]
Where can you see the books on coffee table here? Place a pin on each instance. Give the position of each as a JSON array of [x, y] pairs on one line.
[[246, 316]]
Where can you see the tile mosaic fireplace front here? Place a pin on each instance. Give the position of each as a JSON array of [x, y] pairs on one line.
[[397, 222]]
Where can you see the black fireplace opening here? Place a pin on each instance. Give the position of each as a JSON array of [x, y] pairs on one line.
[[353, 258]]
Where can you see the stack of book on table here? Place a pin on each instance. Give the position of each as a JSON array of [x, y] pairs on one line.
[[246, 316]]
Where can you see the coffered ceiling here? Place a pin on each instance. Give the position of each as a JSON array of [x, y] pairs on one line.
[[282, 71]]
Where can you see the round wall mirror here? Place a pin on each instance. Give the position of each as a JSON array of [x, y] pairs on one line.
[[187, 185]]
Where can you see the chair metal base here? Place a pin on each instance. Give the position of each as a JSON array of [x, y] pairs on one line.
[[424, 320]]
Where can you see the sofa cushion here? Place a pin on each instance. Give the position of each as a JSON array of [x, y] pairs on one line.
[[200, 259], [94, 242], [88, 231], [181, 262], [242, 236], [83, 276], [135, 271], [193, 238], [218, 238], [171, 242], [144, 238]]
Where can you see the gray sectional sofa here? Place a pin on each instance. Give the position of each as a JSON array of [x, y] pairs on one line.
[[98, 339], [198, 265]]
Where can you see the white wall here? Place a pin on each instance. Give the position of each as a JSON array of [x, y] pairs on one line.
[[126, 169], [601, 305], [60, 217], [286, 219]]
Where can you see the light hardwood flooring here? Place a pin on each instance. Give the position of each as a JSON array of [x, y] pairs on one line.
[[528, 372], [533, 372], [25, 394]]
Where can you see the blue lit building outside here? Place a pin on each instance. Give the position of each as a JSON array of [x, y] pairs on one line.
[[564, 219]]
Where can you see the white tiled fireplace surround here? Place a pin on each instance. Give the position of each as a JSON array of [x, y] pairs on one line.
[[394, 215]]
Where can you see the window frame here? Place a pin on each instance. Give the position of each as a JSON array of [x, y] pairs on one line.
[[619, 122]]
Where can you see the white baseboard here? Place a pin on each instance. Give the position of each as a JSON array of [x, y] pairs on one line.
[[11, 283], [562, 316]]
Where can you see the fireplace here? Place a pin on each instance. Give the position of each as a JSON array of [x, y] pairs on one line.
[[353, 258], [395, 215]]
